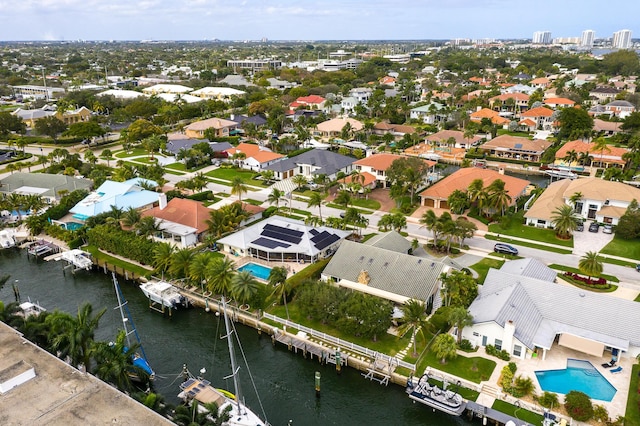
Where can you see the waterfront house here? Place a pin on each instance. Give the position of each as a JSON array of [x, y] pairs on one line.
[[122, 195], [384, 272], [525, 315], [182, 222], [312, 163], [443, 137], [610, 156], [281, 239], [256, 157], [377, 165], [397, 130], [45, 185], [221, 128], [600, 200], [515, 147], [541, 116], [437, 195]]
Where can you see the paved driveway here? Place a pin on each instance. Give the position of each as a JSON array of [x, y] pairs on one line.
[[589, 241]]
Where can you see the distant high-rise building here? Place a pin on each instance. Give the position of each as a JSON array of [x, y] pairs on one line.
[[622, 39], [587, 38], [542, 37]]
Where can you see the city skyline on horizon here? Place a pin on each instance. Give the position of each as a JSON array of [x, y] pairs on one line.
[[331, 20]]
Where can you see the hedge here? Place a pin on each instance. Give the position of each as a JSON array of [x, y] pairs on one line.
[[126, 244]]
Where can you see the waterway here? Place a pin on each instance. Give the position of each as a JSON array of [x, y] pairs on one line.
[[284, 380]]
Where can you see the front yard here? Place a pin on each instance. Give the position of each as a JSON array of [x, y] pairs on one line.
[[623, 248], [518, 229]]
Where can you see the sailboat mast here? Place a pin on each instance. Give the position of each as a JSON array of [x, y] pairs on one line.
[[120, 306], [232, 355]]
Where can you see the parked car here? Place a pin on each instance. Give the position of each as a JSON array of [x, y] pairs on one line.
[[608, 229], [505, 249], [580, 226], [638, 267], [594, 227]]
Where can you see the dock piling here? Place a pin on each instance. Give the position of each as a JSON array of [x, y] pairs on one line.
[[317, 380]]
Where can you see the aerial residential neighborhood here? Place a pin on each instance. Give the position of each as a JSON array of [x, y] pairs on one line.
[[458, 217]]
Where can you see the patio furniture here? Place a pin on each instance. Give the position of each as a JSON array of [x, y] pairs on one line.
[[609, 364], [616, 370]]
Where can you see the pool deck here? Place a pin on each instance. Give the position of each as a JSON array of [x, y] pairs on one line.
[[556, 359]]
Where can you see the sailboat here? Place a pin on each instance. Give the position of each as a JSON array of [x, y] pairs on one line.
[[232, 404], [139, 359]]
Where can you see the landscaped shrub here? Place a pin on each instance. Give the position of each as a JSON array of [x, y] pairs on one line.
[[600, 413], [439, 320], [269, 211], [507, 379], [579, 406], [548, 399], [513, 367], [522, 386], [586, 280], [465, 345], [123, 243], [202, 196], [503, 355]]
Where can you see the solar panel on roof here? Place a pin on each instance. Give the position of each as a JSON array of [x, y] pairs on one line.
[[314, 232], [268, 243], [327, 241], [280, 236], [284, 230], [518, 145], [321, 236]]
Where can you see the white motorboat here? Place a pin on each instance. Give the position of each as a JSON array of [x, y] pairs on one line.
[[163, 294], [561, 174], [196, 388], [7, 238], [446, 401], [77, 258], [30, 309]]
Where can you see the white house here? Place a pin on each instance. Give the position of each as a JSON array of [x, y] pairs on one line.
[[600, 200], [525, 313], [432, 113]]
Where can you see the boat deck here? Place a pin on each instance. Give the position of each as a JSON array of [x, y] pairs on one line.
[[481, 411]]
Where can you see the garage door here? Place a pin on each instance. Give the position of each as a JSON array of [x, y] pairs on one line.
[[428, 202], [444, 204]]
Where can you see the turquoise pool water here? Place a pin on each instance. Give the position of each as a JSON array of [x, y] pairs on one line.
[[579, 376], [258, 271], [72, 226]]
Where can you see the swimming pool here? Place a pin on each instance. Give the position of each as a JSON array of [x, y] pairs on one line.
[[580, 376], [72, 226], [258, 271]]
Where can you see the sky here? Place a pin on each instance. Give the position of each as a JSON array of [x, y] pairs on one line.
[[310, 19]]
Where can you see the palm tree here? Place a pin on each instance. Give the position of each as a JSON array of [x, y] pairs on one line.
[[444, 347], [429, 220], [219, 275], [565, 221], [162, 254], [343, 198], [316, 199], [106, 155], [590, 265], [131, 217], [180, 261], [461, 318], [600, 144], [474, 190], [114, 362], [275, 196], [244, 287], [571, 157], [415, 319], [74, 335], [299, 181], [198, 268], [498, 197], [238, 187], [278, 279]]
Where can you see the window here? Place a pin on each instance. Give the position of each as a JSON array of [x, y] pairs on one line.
[[476, 334], [498, 344], [517, 350]]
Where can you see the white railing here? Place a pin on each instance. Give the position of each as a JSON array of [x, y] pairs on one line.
[[343, 344]]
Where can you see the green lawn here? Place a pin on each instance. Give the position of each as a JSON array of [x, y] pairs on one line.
[[577, 271], [474, 369], [623, 248], [176, 166], [517, 412], [229, 174], [527, 244], [387, 343], [117, 262], [366, 204], [133, 153], [482, 267], [530, 233], [632, 414], [339, 206]]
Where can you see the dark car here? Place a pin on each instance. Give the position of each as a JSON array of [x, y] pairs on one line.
[[505, 249], [580, 227], [594, 227]]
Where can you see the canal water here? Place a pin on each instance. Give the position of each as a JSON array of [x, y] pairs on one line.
[[284, 380]]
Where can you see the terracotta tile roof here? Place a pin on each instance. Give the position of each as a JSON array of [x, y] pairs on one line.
[[444, 135], [462, 178], [336, 125], [608, 126], [256, 152], [252, 209], [500, 120], [518, 143], [559, 101], [311, 99], [517, 96], [527, 122], [540, 80], [215, 123], [538, 112], [183, 211], [383, 161], [612, 155], [368, 178], [484, 113]]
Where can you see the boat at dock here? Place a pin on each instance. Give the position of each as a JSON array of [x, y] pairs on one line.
[[164, 294], [41, 248], [139, 359], [30, 309], [444, 400], [230, 405], [7, 239], [76, 258]]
